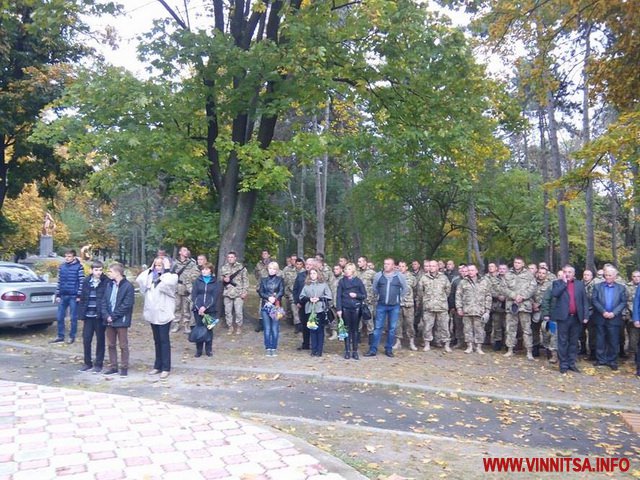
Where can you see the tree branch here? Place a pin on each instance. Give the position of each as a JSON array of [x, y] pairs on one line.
[[174, 14]]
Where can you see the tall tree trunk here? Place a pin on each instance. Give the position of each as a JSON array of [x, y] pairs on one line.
[[298, 227], [563, 234], [473, 236], [352, 229], [636, 213], [614, 214], [322, 172], [544, 166], [3, 170], [586, 137], [234, 236]]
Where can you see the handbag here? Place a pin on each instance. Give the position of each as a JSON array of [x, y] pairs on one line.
[[365, 311], [199, 334]]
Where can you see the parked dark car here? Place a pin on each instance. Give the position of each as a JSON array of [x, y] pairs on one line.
[[26, 300]]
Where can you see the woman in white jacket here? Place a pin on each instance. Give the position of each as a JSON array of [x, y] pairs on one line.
[[158, 286]]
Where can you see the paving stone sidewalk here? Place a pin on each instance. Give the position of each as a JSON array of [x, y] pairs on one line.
[[48, 433]]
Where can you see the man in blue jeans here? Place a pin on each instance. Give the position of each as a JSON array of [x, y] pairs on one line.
[[70, 278], [390, 285]]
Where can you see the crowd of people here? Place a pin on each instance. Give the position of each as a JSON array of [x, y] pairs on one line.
[[425, 305]]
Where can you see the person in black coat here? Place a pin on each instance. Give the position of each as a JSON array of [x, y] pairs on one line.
[[609, 299], [570, 311], [350, 295], [271, 291], [117, 310], [205, 298], [93, 290], [297, 289]]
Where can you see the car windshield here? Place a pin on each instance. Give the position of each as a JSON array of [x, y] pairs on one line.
[[11, 274]]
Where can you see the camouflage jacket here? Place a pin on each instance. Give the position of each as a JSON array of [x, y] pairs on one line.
[[407, 298], [434, 292], [631, 294], [333, 284], [367, 278], [498, 289], [540, 289], [473, 297], [187, 272], [521, 283], [289, 274], [241, 280], [260, 271]]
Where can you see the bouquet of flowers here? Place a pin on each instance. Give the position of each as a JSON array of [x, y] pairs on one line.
[[277, 312], [342, 330], [209, 321], [312, 323]]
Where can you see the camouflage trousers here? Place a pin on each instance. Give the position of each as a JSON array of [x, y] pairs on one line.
[[498, 325], [233, 308], [524, 320], [549, 340], [293, 313], [441, 322], [473, 329], [632, 335], [405, 323], [183, 310]]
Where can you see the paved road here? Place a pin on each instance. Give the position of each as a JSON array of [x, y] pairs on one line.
[[558, 428]]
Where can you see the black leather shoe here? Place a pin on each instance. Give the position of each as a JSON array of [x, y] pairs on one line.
[[209, 354], [304, 347], [124, 372], [563, 371], [575, 369], [57, 340], [85, 368], [111, 371], [347, 354], [389, 354], [497, 346], [370, 354], [536, 351], [71, 340], [355, 356], [198, 354], [613, 367]]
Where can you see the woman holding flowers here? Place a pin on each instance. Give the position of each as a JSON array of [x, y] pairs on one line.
[[316, 297], [271, 292], [205, 301]]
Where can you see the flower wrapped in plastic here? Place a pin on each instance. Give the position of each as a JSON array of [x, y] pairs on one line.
[[209, 321], [312, 323], [277, 312], [342, 330]]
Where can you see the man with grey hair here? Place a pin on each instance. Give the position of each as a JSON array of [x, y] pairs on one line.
[[570, 311], [609, 300]]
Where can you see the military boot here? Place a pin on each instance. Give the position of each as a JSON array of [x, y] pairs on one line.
[[479, 348], [412, 345], [427, 346], [334, 335], [447, 348], [469, 348], [530, 354], [398, 344], [175, 327], [554, 357], [509, 352]]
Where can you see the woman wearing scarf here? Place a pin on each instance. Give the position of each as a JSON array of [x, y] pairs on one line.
[[158, 286], [315, 297], [205, 299]]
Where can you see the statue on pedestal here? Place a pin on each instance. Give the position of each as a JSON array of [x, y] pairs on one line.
[[48, 225]]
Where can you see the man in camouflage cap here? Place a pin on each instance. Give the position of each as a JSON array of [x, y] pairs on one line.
[[473, 304], [236, 285], [365, 274], [187, 270]]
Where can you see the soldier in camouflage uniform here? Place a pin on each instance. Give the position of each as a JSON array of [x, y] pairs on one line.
[[550, 275], [498, 300], [632, 332], [366, 275], [589, 330], [521, 286], [260, 271], [543, 283], [332, 280], [456, 325], [434, 288], [473, 304], [236, 285], [407, 310], [289, 274], [187, 270]]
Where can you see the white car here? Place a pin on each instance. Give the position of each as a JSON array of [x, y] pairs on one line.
[[26, 300]]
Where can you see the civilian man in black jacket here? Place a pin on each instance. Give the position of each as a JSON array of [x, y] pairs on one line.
[[570, 311], [93, 289]]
